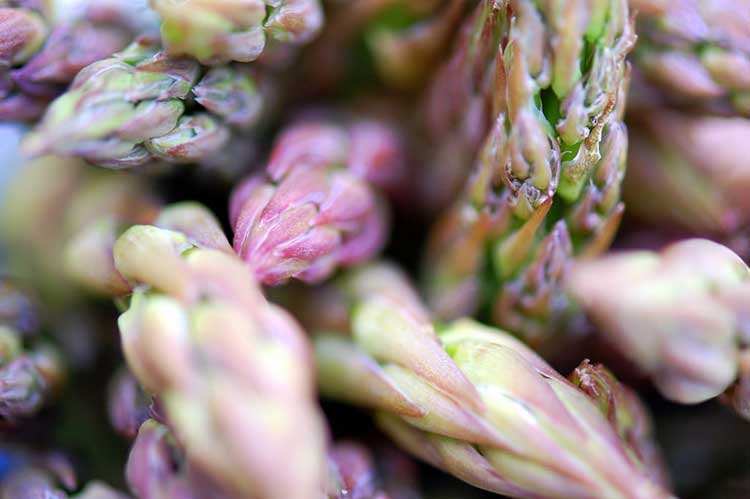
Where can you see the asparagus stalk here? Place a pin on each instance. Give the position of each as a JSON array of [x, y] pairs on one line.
[[545, 183], [679, 315], [128, 406], [199, 335], [157, 469], [36, 474], [474, 401]]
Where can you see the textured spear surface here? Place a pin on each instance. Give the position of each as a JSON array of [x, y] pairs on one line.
[[680, 315], [142, 104], [42, 47], [689, 171], [316, 208], [474, 401], [697, 52], [457, 109], [545, 183], [216, 31], [32, 371], [225, 364]]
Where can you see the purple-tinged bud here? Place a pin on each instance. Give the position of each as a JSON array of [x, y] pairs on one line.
[[377, 155], [128, 405], [29, 374], [69, 38], [221, 361], [689, 171], [22, 389], [22, 33], [296, 21], [35, 475], [69, 49], [21, 107], [156, 468], [138, 105], [314, 210], [231, 94], [696, 52]]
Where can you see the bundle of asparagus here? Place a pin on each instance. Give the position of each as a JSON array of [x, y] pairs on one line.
[[481, 146]]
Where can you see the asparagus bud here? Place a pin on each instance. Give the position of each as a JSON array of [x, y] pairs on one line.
[[134, 107], [32, 372], [476, 402], [225, 364], [314, 210], [216, 31], [44, 44], [128, 405], [676, 314]]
